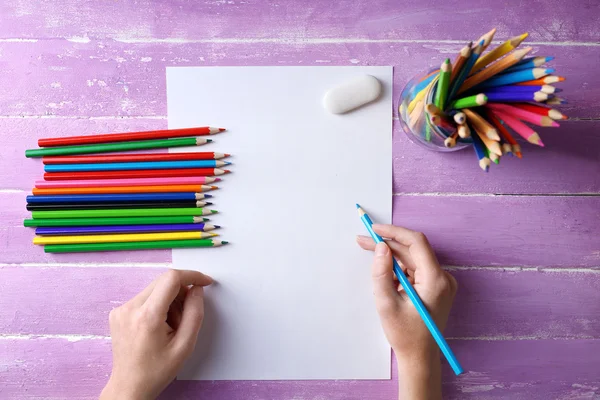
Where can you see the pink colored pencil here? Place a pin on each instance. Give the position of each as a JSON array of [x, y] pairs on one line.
[[183, 180], [529, 134], [524, 115]]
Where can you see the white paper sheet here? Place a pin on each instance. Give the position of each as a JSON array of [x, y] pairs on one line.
[[294, 297]]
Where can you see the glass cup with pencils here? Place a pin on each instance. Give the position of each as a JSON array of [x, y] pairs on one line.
[[482, 100]]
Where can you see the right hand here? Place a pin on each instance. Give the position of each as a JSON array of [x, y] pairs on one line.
[[403, 327]]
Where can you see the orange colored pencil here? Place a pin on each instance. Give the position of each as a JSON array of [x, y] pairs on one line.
[[494, 69], [516, 148], [480, 124], [460, 61], [492, 145], [546, 80], [125, 189]]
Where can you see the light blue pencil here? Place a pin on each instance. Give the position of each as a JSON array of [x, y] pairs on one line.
[[530, 62], [515, 77], [128, 166], [416, 300]]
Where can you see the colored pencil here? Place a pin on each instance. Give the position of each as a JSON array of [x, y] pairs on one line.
[[548, 89], [464, 131], [145, 212], [82, 198], [135, 157], [470, 101], [125, 237], [441, 94], [161, 244], [96, 230], [132, 166], [505, 146], [530, 62], [462, 75], [480, 153], [444, 122], [495, 158], [541, 110], [528, 116], [486, 39], [125, 189], [555, 100], [494, 69], [128, 136], [185, 219], [460, 118], [511, 97], [492, 145], [460, 61], [516, 148], [144, 173], [480, 124], [197, 180], [515, 77], [499, 51], [450, 141], [415, 299], [546, 80], [524, 130], [110, 206], [432, 109], [425, 82], [121, 146]]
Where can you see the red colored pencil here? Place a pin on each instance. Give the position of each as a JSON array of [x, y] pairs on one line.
[[143, 173], [541, 110], [516, 148], [139, 157], [128, 136]]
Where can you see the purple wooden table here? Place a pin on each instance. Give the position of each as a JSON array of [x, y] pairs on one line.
[[523, 240]]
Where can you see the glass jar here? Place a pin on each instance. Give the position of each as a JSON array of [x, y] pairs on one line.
[[415, 121]]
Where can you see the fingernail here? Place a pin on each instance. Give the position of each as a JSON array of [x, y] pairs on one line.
[[381, 249]]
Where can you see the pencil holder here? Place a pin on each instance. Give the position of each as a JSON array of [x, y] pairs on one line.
[[419, 91]]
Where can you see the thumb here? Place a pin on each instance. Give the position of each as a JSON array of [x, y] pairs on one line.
[[191, 320], [384, 287]]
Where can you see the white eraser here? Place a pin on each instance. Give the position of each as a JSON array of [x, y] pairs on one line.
[[352, 94]]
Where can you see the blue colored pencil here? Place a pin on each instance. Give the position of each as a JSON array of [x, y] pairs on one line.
[[94, 230], [423, 84], [117, 197], [416, 300], [529, 62], [464, 72], [515, 77], [481, 153], [498, 96], [128, 166]]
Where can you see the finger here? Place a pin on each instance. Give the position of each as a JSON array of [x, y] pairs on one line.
[[400, 251], [168, 285], [384, 287], [176, 308], [191, 320], [420, 250]]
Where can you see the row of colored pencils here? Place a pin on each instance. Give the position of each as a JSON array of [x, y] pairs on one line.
[[488, 99], [93, 200]]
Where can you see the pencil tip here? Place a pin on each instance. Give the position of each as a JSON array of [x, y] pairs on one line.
[[227, 155], [208, 196], [214, 187], [217, 226], [227, 162], [226, 171], [208, 203], [213, 211], [222, 129], [357, 205], [224, 242], [208, 140]]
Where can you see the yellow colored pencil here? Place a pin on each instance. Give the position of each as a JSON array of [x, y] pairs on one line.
[[129, 237], [419, 97], [487, 39], [480, 124], [498, 52], [494, 69]]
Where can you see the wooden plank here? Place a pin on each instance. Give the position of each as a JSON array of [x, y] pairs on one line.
[[506, 230], [121, 79], [16, 241], [569, 163], [456, 172], [552, 21], [522, 369], [490, 304]]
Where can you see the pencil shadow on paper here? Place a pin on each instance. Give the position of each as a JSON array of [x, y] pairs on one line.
[[207, 342]]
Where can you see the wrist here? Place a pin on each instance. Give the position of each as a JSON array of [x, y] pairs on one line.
[[420, 374], [115, 390]]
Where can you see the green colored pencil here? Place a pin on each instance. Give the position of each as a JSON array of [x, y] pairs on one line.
[[471, 101], [441, 94], [186, 219], [162, 244], [120, 146], [121, 212]]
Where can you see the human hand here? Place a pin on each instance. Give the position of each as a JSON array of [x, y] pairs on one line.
[[415, 349], [154, 333]]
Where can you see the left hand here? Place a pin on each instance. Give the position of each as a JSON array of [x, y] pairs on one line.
[[154, 333]]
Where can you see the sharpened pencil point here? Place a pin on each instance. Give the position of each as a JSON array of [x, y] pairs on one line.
[[227, 162], [224, 242], [217, 226], [226, 171], [227, 155], [214, 187], [208, 203], [208, 196], [357, 205], [222, 129], [208, 140], [213, 211]]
